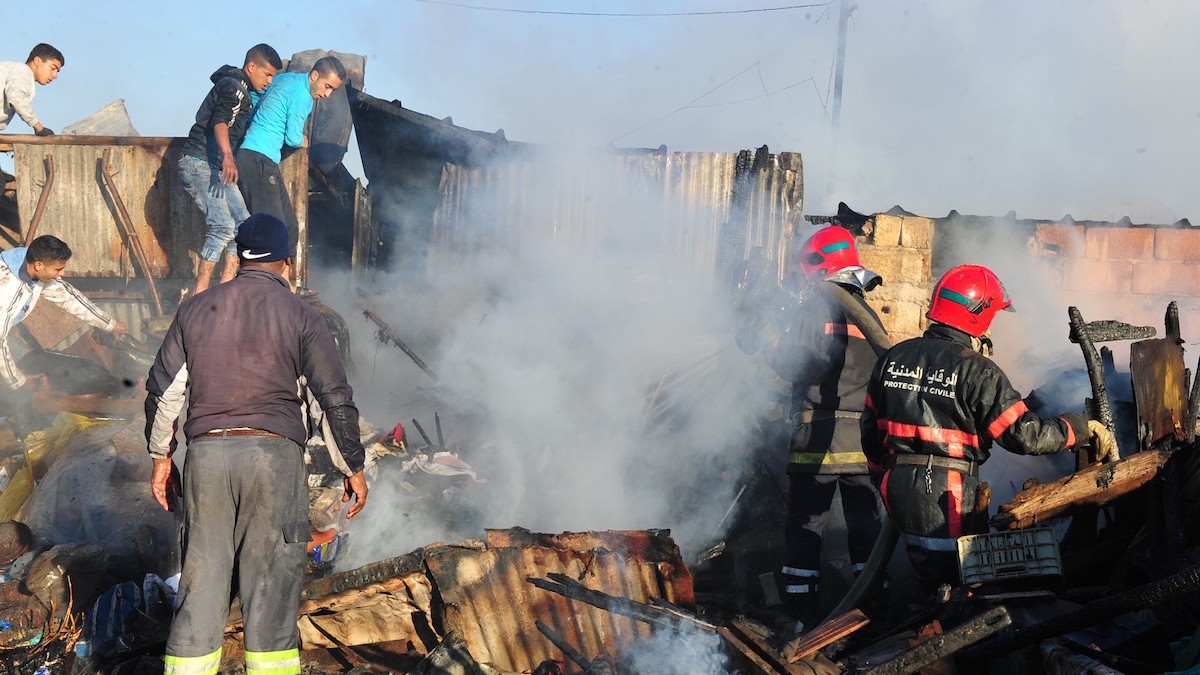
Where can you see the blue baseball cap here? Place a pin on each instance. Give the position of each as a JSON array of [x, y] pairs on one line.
[[262, 238]]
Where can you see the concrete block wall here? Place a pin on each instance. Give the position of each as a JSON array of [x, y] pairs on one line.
[[900, 249]]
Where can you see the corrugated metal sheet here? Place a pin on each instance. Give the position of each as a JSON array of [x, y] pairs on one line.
[[489, 602], [702, 207], [81, 212], [481, 592]]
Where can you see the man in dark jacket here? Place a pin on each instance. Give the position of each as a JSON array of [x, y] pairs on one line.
[[825, 356], [934, 406], [242, 351], [207, 167]]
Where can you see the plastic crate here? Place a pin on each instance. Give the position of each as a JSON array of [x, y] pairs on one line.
[[1001, 556]]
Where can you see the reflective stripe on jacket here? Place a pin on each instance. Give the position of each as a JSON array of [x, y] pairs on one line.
[[828, 361], [934, 395]]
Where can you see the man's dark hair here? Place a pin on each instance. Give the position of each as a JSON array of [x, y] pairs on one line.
[[330, 65], [47, 249], [265, 55], [47, 53]]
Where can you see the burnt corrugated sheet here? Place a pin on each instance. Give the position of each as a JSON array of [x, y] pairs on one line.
[[480, 591], [487, 600], [81, 211], [706, 210]]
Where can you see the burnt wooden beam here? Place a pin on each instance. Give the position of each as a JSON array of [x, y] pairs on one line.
[[827, 633], [1094, 486], [565, 647], [1143, 597], [1086, 335], [752, 652], [568, 587], [940, 646]]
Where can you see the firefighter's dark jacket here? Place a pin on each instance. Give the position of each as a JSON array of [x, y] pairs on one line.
[[934, 395], [828, 361]]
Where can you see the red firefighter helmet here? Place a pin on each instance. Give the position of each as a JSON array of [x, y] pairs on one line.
[[828, 251], [967, 298]]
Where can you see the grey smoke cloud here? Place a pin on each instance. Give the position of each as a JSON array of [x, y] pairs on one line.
[[591, 378]]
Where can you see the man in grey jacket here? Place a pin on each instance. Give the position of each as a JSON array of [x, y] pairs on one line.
[[241, 351]]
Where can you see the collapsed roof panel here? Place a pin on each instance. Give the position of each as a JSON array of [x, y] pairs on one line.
[[481, 592]]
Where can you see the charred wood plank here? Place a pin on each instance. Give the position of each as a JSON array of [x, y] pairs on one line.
[[588, 667], [1083, 335], [1112, 331], [1094, 486], [827, 633], [568, 587], [1157, 370], [1193, 406], [940, 646], [752, 652], [746, 632]]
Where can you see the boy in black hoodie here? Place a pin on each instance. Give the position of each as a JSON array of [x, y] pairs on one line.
[[206, 166]]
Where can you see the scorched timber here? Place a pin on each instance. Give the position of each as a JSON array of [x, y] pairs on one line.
[[1094, 486]]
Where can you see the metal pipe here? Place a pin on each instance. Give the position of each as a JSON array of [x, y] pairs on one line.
[[42, 200], [126, 223]]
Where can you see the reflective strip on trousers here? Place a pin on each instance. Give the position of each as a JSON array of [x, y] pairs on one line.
[[858, 569], [931, 543], [282, 662], [810, 576], [193, 665]]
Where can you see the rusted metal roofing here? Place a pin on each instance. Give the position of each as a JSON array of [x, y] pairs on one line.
[[451, 192], [704, 209], [81, 211], [487, 600], [480, 592]]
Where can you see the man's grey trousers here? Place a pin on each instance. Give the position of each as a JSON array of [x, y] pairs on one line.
[[245, 518]]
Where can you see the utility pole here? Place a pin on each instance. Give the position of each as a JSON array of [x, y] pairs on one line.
[[839, 68]]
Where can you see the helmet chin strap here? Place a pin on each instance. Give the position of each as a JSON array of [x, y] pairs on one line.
[[983, 344]]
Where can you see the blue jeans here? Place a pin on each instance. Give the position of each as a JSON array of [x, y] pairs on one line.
[[222, 205]]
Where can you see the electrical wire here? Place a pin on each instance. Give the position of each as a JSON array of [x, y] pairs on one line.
[[688, 104], [512, 10]]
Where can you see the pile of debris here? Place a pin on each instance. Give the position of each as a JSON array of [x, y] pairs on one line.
[[1096, 572]]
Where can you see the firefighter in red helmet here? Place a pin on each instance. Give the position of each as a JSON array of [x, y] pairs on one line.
[[827, 359], [935, 404]]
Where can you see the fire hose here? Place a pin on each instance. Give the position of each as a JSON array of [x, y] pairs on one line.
[[885, 543]]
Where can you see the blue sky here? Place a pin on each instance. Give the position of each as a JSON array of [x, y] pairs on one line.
[[1081, 107]]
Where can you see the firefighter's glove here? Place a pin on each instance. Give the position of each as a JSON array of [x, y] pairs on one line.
[[45, 131], [1104, 446]]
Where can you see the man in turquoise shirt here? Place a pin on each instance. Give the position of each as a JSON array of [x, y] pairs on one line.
[[279, 120]]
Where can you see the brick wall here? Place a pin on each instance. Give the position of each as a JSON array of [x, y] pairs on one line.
[[1109, 270], [1125, 273]]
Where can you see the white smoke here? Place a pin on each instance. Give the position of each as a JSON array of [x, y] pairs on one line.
[[593, 384]]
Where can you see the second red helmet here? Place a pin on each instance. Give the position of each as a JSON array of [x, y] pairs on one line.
[[968, 297]]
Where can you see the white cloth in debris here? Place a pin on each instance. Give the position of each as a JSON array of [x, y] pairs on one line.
[[441, 464]]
